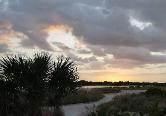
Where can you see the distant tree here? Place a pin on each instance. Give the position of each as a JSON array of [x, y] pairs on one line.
[[83, 83]]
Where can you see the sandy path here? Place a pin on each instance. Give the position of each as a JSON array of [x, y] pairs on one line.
[[79, 109]]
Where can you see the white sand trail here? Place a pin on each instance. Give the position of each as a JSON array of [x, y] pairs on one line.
[[79, 109]]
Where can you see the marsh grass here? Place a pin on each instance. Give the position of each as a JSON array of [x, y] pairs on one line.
[[82, 96], [106, 90], [88, 95], [150, 103]]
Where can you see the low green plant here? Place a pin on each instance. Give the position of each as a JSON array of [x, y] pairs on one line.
[[134, 105], [82, 96]]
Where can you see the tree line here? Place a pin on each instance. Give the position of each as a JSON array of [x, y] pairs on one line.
[[120, 83]]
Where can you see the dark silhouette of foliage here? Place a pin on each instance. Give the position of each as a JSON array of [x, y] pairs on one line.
[[11, 85], [63, 79], [121, 83], [133, 105], [25, 83], [154, 91]]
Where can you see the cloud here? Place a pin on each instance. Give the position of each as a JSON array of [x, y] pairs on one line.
[[3, 48], [8, 35], [84, 51], [5, 31], [62, 47], [55, 28], [128, 30]]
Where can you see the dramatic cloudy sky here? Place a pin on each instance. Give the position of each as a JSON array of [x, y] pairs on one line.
[[108, 39]]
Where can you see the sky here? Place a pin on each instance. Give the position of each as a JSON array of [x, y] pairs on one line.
[[109, 40]]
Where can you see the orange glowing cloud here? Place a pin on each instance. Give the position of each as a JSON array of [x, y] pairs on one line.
[[5, 25], [7, 36], [4, 38], [56, 28], [7, 33]]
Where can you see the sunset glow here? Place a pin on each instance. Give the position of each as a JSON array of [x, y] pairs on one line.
[[108, 40]]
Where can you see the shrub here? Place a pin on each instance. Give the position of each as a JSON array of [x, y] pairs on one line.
[[82, 96], [26, 83], [134, 105], [154, 91]]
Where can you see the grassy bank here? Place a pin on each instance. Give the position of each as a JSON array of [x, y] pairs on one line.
[[95, 94], [132, 88], [107, 90], [151, 103], [88, 95], [82, 96]]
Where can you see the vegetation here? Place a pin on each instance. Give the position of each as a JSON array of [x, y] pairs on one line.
[[29, 84], [88, 95], [33, 86], [82, 96], [131, 88], [95, 94], [150, 103], [156, 92], [121, 83], [107, 90]]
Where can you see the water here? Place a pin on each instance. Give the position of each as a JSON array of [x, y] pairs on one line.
[[80, 109], [92, 87]]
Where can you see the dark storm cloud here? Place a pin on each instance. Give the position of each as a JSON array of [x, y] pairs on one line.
[[28, 17], [105, 25], [115, 28]]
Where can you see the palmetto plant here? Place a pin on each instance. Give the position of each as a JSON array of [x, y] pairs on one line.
[[63, 79], [25, 83], [11, 84]]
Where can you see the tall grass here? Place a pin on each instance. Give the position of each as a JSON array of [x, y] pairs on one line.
[[82, 96], [151, 103]]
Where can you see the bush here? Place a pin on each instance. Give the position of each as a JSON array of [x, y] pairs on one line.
[[27, 83], [154, 91], [82, 96], [107, 90], [133, 105]]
